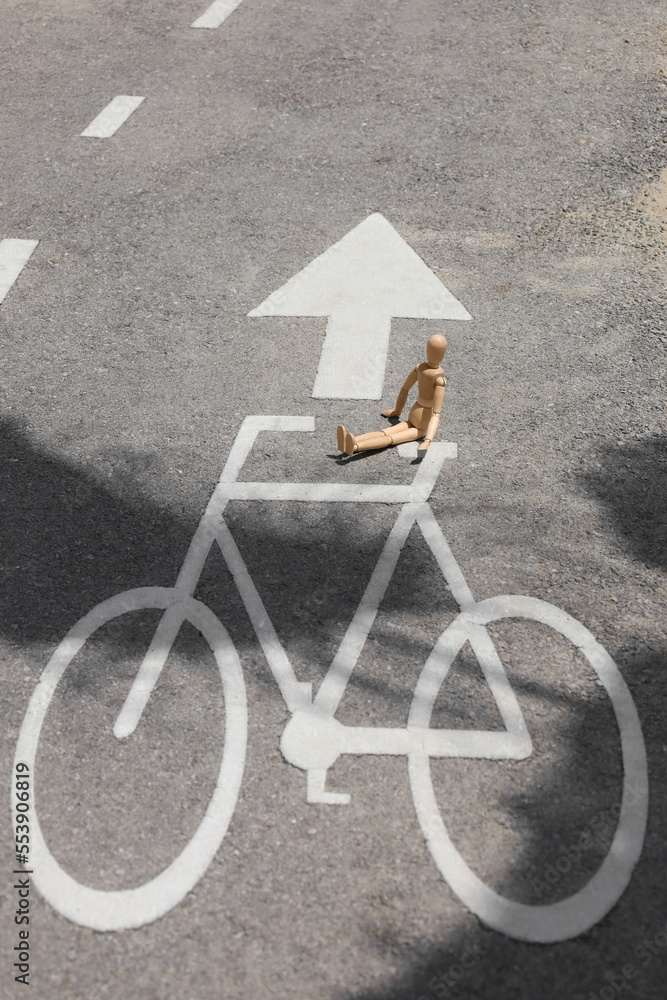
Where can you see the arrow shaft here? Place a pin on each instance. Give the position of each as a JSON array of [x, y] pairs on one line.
[[354, 356]]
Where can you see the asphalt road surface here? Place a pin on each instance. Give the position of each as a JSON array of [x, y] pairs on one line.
[[519, 150]]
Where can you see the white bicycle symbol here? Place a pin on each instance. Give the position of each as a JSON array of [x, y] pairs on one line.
[[313, 739]]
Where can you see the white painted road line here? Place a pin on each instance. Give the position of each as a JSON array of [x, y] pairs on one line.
[[14, 255], [216, 14], [117, 909], [112, 117], [360, 283]]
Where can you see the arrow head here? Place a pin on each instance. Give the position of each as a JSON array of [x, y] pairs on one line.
[[370, 268]]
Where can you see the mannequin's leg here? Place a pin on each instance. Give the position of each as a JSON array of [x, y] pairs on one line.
[[366, 442], [397, 434], [409, 434], [388, 431], [340, 437]]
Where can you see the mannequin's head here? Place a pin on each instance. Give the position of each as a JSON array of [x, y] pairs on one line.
[[435, 349]]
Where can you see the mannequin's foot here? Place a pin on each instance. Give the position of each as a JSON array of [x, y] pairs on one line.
[[340, 436], [350, 444]]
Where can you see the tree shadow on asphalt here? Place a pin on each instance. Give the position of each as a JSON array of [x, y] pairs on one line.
[[69, 540], [624, 953], [71, 537], [476, 963], [632, 485]]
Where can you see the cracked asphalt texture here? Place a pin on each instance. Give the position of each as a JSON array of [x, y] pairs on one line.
[[520, 149]]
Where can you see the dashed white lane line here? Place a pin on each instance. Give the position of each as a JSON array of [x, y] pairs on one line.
[[112, 117], [14, 255], [216, 14]]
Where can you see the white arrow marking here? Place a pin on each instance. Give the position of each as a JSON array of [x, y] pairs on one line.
[[360, 283], [14, 255], [216, 14], [112, 117]]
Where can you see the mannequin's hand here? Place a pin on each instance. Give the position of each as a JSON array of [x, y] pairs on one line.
[[422, 447], [391, 413]]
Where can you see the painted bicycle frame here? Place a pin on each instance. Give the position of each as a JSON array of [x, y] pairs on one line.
[[313, 738]]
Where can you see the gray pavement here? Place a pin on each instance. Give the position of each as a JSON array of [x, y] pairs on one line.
[[519, 149]]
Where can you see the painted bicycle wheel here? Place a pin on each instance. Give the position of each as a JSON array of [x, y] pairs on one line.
[[114, 910], [578, 913]]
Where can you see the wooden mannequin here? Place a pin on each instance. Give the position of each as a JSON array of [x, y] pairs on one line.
[[423, 417]]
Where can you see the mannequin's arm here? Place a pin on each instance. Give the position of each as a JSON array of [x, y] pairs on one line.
[[402, 396], [438, 400]]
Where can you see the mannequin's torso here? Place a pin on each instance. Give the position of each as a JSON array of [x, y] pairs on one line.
[[427, 379]]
